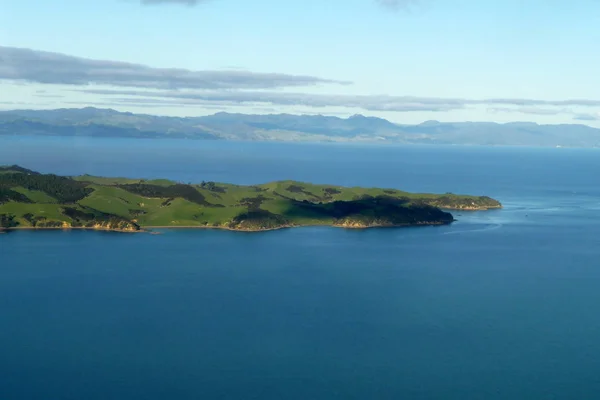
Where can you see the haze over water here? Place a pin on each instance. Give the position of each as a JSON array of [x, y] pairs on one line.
[[500, 305]]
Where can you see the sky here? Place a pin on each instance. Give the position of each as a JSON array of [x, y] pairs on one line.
[[405, 60]]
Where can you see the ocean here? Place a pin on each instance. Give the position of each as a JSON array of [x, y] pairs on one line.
[[499, 305]]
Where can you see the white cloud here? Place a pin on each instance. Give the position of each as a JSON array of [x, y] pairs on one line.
[[26, 65]]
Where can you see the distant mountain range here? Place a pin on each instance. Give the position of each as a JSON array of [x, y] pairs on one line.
[[95, 122]]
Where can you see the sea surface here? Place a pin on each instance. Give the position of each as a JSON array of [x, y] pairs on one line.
[[502, 304]]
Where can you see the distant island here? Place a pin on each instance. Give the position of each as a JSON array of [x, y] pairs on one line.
[[108, 123], [29, 199]]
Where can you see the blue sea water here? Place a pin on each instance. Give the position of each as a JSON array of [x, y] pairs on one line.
[[500, 305]]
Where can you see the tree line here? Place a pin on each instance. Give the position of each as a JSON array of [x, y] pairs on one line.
[[7, 195], [64, 190], [178, 190]]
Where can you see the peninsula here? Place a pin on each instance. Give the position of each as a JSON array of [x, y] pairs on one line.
[[29, 199]]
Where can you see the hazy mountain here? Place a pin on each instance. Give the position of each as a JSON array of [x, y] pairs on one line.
[[286, 127]]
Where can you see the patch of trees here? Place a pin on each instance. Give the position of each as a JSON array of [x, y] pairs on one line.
[[7, 195], [253, 203], [258, 189], [385, 198], [295, 189], [8, 221], [300, 189], [168, 192], [283, 196], [213, 187], [63, 189], [88, 214], [41, 222], [31, 219], [90, 217], [331, 191], [77, 215], [259, 219], [390, 209]]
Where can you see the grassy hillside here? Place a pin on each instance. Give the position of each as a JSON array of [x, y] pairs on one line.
[[30, 199]]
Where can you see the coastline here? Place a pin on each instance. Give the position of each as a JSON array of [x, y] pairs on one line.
[[148, 229], [223, 228], [471, 208], [62, 228]]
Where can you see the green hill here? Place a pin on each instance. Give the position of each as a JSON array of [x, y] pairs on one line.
[[34, 200]]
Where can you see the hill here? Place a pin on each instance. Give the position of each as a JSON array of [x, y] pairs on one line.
[[95, 122], [34, 200]]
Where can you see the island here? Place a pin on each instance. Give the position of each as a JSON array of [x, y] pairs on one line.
[[32, 200]]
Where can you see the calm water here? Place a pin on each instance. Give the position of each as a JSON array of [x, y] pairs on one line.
[[500, 305]]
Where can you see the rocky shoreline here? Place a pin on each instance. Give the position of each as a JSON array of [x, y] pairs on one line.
[[149, 229], [68, 228]]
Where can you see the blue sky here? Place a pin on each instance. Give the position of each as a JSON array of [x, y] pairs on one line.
[[449, 60]]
